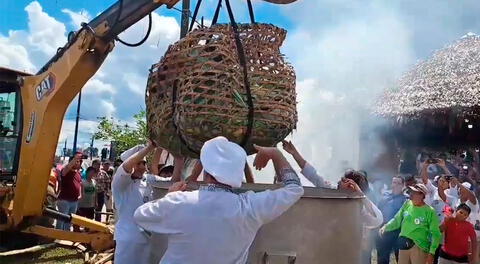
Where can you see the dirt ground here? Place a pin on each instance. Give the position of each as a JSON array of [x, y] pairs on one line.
[[48, 256], [67, 256]]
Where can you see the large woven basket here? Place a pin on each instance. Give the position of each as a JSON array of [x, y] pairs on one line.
[[197, 91]]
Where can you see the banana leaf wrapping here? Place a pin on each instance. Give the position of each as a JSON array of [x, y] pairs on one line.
[[196, 91]]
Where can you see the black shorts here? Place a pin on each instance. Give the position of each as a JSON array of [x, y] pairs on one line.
[[445, 255]]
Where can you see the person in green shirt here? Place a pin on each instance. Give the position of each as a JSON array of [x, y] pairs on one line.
[[419, 228]]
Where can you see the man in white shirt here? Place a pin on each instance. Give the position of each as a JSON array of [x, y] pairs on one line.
[[130, 190], [371, 216], [438, 196], [214, 224]]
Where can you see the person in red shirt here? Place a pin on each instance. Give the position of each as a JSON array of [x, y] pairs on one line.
[[70, 184], [460, 238]]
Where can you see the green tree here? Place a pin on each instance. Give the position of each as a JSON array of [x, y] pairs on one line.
[[124, 135]]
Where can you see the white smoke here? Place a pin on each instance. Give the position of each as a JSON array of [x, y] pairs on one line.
[[345, 54]]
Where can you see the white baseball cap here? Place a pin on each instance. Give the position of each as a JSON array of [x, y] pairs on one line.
[[466, 185], [224, 160]]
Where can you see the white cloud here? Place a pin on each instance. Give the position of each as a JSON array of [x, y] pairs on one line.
[[46, 33], [68, 129], [85, 132], [77, 17], [15, 56], [118, 88], [95, 86], [108, 107], [135, 83], [29, 49]]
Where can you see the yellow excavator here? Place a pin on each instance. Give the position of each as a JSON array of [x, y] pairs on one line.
[[32, 108]]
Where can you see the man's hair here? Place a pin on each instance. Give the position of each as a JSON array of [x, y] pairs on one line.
[[364, 173], [96, 161], [166, 169], [464, 207], [359, 178], [90, 169], [408, 177], [72, 157]]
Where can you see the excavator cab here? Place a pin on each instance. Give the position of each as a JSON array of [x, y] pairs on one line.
[[10, 123]]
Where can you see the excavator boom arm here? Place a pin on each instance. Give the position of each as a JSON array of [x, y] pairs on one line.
[[45, 98]]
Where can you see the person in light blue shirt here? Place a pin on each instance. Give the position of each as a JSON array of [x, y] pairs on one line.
[[389, 205]]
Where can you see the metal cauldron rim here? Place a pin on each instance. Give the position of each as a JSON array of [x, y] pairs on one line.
[[310, 192]]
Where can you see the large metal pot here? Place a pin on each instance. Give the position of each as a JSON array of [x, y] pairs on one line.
[[323, 227]]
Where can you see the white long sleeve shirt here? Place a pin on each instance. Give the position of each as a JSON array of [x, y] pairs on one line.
[[434, 200], [370, 221], [129, 194], [215, 225]]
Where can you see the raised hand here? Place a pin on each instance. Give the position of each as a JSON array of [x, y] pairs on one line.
[[264, 155], [178, 186], [289, 147]]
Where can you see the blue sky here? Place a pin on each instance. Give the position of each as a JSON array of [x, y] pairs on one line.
[[13, 14], [345, 53]]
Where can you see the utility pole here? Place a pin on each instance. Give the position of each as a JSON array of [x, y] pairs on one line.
[[185, 18], [76, 123], [91, 147], [65, 150]]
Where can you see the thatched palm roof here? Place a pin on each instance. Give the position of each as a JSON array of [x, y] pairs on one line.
[[448, 82]]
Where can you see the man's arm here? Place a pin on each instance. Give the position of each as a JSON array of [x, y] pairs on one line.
[[81, 192], [158, 216], [67, 168], [156, 160], [424, 172], [311, 174], [470, 195], [197, 169], [436, 235], [442, 194], [292, 150], [177, 168], [268, 205], [396, 222], [444, 167], [248, 174], [121, 178], [137, 157], [307, 170], [474, 243]]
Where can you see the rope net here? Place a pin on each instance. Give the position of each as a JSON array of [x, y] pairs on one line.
[[196, 91]]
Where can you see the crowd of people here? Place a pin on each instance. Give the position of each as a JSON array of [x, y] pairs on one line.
[[431, 215]]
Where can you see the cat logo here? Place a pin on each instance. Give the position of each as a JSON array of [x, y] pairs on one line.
[[45, 87]]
